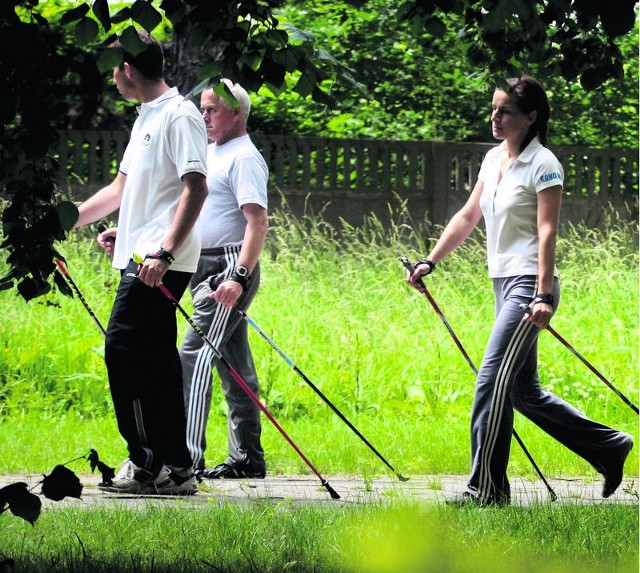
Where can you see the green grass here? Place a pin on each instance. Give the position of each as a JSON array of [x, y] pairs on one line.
[[273, 537], [337, 304], [335, 301]]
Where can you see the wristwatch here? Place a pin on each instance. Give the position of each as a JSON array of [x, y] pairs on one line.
[[161, 254], [241, 275]]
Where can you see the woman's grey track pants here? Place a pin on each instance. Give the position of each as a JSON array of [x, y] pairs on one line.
[[227, 330], [508, 380]]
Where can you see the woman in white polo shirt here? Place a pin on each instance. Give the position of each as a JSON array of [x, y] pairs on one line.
[[518, 193]]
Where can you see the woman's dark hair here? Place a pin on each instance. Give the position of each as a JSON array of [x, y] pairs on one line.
[[528, 95], [149, 62]]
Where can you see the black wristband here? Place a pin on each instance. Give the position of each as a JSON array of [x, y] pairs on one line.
[[430, 264], [546, 298], [161, 254]]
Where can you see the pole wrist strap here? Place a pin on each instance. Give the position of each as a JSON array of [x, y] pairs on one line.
[[430, 264], [543, 297]]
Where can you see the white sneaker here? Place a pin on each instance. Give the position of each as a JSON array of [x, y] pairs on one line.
[[130, 479], [170, 482]]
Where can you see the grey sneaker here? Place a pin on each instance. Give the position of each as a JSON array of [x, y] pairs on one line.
[[130, 479], [172, 482]]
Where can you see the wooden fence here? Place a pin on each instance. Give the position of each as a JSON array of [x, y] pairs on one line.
[[352, 178]]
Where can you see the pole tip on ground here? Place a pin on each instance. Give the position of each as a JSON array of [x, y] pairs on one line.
[[332, 492], [402, 478]]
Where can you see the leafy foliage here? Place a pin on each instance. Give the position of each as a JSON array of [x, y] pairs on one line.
[[57, 83], [60, 483], [244, 41], [423, 86], [573, 39]]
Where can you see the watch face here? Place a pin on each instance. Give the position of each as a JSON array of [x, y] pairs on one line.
[[242, 271]]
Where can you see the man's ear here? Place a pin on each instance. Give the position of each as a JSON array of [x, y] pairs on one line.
[[128, 70]]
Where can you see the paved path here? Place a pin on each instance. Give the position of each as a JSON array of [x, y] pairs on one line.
[[352, 490]]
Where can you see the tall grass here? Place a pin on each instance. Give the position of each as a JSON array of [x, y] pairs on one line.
[[334, 299], [275, 537]]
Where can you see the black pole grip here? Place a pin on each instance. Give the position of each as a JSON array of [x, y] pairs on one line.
[[102, 228], [409, 266]]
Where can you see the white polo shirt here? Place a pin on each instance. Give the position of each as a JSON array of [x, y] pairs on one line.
[[168, 140], [510, 207], [237, 175]]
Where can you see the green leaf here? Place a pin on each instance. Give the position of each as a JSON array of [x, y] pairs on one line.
[[21, 501], [272, 72], [61, 483], [305, 86], [109, 58], [209, 71], [30, 288], [326, 56], [75, 14], [322, 97], [145, 14], [131, 42], [68, 214], [252, 59], [62, 284], [435, 27], [86, 31], [299, 35], [101, 11], [221, 90]]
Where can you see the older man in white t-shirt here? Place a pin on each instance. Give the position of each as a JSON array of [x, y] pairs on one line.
[[234, 225]]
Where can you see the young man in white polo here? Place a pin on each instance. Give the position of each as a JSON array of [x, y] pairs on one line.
[[160, 188]]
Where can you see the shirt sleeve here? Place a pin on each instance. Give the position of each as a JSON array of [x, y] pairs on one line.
[[548, 172], [188, 141]]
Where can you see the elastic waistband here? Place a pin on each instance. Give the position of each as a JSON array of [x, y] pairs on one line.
[[219, 251]]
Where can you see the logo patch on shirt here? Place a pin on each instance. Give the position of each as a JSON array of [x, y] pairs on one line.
[[146, 140], [550, 177]]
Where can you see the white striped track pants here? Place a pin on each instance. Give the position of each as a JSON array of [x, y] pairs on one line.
[[508, 380]]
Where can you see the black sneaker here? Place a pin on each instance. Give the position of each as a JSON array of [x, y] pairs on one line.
[[613, 472], [233, 471]]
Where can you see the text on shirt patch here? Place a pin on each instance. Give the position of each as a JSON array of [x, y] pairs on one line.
[[550, 177]]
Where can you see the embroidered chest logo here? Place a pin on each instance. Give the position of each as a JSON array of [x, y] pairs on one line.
[[146, 140]]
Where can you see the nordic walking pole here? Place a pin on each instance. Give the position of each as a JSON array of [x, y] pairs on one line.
[[527, 309], [410, 267], [319, 393], [67, 276], [245, 387]]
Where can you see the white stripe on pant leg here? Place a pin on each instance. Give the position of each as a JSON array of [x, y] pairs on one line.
[[502, 382], [201, 379], [496, 409]]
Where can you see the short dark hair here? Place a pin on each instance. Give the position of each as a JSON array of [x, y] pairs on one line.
[[529, 95], [149, 62]]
